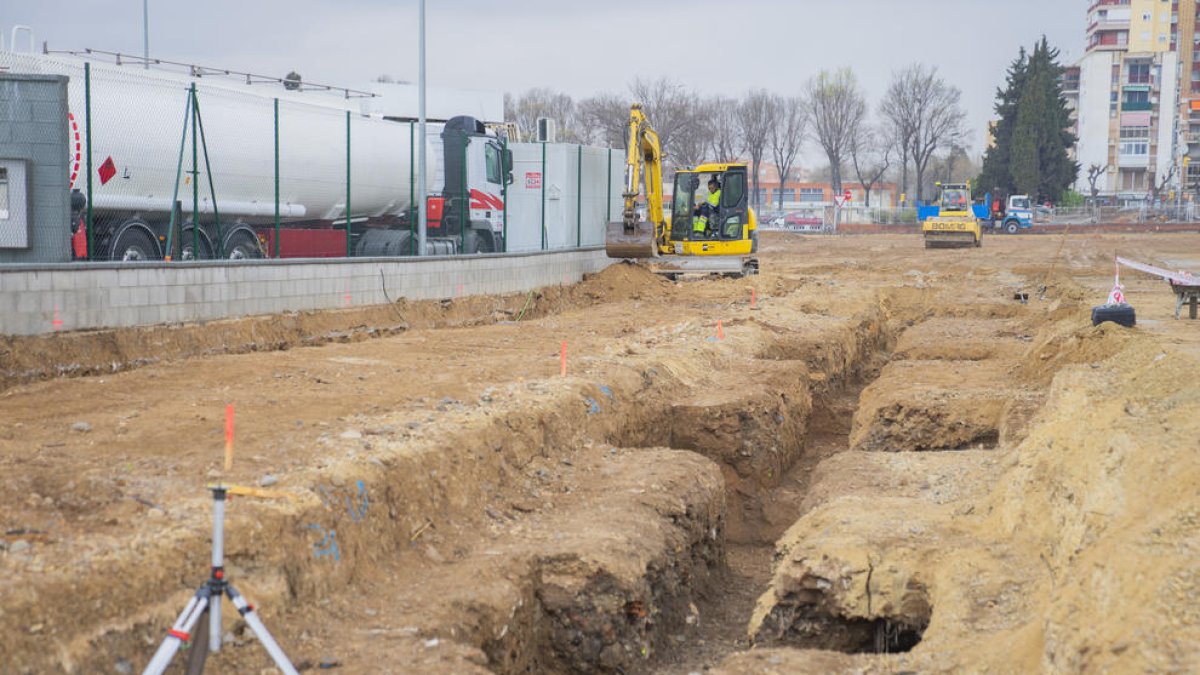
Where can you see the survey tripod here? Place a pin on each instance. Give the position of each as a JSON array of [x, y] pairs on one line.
[[207, 603]]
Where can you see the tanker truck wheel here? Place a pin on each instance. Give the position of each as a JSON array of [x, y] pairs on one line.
[[242, 246], [134, 243], [186, 241]]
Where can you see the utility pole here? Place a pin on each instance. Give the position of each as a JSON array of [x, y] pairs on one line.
[[146, 34], [421, 195]]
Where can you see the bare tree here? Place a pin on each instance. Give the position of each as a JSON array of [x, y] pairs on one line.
[[1157, 185], [931, 112], [720, 119], [786, 136], [836, 108], [756, 118], [897, 108], [541, 102], [1093, 174], [603, 119], [671, 107], [871, 155]]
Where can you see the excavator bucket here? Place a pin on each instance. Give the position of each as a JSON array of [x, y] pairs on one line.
[[634, 241]]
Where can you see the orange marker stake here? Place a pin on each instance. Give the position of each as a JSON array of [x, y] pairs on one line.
[[562, 360], [753, 300], [229, 437], [720, 331]]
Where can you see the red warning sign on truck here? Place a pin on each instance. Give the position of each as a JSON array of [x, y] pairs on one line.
[[533, 180]]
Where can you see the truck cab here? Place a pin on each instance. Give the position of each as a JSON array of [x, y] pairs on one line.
[[478, 169], [1018, 214]]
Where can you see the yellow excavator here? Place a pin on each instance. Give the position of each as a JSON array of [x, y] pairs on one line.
[[713, 233], [955, 226]]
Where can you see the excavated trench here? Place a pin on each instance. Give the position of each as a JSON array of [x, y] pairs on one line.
[[623, 522]]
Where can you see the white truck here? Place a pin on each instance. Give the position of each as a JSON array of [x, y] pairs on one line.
[[138, 160], [1017, 215]]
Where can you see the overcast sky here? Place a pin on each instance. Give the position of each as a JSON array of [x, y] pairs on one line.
[[717, 46]]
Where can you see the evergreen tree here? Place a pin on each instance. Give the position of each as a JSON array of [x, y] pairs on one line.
[[1025, 173], [1033, 134], [996, 160]]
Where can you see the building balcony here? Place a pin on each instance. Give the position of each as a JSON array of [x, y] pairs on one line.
[[1133, 161], [1137, 106]]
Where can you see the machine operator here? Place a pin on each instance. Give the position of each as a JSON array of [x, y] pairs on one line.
[[708, 210]]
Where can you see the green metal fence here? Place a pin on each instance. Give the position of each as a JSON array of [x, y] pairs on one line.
[[205, 164]]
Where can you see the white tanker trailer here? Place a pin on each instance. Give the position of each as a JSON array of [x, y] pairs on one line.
[[143, 157]]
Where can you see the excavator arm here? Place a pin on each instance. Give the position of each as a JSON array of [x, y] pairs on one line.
[[634, 237]]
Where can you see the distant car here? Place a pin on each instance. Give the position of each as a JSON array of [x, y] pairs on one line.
[[801, 219]]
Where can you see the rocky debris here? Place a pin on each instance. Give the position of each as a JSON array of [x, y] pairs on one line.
[[81, 427]]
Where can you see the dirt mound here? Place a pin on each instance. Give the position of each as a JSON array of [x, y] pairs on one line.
[[933, 405], [1066, 343], [1106, 490]]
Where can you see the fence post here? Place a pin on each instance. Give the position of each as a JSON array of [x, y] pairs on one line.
[[505, 172], [176, 206], [412, 190], [276, 177], [464, 218], [543, 182], [219, 249], [195, 186], [608, 191], [87, 123], [579, 199], [348, 244]]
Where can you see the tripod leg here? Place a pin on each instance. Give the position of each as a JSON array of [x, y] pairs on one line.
[[179, 632], [198, 654], [260, 631], [214, 623]]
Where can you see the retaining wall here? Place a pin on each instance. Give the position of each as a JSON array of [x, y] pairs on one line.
[[38, 299]]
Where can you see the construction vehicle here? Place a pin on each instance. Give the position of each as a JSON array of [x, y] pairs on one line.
[[721, 239], [1017, 215], [956, 224]]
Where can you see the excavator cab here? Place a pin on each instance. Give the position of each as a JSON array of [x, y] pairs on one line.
[[698, 228]]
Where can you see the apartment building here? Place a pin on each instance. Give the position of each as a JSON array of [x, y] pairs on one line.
[[1132, 96]]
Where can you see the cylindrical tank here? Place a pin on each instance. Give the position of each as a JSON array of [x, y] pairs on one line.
[[138, 129]]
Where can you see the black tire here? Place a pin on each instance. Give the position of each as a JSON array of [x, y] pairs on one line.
[[1011, 227], [385, 243], [1122, 315], [475, 242], [186, 241], [134, 243], [484, 243], [242, 246]]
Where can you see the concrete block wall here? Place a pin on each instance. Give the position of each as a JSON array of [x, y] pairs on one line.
[[36, 299]]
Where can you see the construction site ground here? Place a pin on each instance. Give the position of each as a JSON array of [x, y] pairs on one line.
[[895, 460]]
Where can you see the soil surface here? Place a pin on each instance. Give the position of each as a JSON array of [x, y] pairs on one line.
[[894, 459]]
